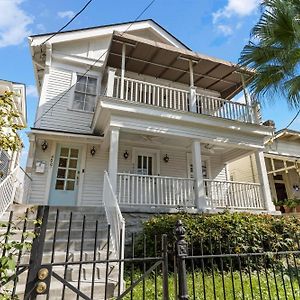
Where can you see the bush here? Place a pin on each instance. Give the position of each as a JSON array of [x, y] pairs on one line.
[[226, 232]]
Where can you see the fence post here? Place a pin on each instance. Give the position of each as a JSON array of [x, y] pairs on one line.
[[165, 267], [36, 254], [181, 253]]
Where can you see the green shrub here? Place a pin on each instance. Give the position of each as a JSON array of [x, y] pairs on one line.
[[226, 233]]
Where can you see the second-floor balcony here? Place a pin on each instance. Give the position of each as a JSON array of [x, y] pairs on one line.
[[151, 73], [180, 99]]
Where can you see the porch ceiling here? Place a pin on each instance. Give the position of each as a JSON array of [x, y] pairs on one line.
[[210, 149], [167, 62]]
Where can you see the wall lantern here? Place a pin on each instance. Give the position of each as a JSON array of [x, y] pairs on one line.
[[44, 145], [126, 154], [93, 151], [166, 158], [296, 187]]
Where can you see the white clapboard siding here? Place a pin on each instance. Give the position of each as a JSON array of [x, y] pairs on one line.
[[93, 178], [60, 117], [39, 181]]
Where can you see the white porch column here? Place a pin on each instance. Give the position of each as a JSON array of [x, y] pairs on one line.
[[113, 157], [123, 70], [263, 179], [200, 200], [31, 153], [192, 100], [110, 81]]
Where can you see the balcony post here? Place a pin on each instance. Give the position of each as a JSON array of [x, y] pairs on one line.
[[200, 200], [110, 81], [113, 157], [192, 100], [123, 70], [264, 182]]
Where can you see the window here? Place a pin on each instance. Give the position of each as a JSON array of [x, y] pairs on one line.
[[144, 165], [85, 93]]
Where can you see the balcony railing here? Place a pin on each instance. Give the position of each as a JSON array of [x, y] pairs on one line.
[[179, 99], [145, 190]]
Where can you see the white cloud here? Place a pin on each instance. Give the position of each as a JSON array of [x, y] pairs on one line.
[[233, 8], [238, 8], [31, 91], [14, 23], [225, 29], [69, 14]]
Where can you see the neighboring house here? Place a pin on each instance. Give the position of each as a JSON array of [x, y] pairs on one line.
[[154, 114], [9, 159], [14, 182], [282, 157]]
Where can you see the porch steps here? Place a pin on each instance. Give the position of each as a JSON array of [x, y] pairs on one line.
[[91, 215]]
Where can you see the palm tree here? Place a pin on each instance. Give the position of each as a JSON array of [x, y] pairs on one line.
[[274, 51]]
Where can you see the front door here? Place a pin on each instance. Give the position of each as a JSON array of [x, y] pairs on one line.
[[65, 178]]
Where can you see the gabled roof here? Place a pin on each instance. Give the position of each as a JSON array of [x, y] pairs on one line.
[[94, 31]]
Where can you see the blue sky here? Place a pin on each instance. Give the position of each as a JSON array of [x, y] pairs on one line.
[[218, 28]]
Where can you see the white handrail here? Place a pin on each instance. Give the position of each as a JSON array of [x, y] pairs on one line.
[[15, 187], [116, 222], [113, 213]]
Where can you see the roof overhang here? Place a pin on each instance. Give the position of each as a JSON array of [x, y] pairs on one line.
[[287, 135], [171, 63], [56, 135]]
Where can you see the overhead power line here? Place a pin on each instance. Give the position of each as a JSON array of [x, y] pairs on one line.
[[293, 120], [61, 29], [90, 67]]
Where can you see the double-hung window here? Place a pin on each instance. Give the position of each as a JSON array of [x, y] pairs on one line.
[[85, 93]]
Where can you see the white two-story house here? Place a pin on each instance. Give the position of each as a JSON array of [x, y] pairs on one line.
[[132, 99]]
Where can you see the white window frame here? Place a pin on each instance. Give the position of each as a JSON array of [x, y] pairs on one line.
[[146, 151], [203, 158], [77, 75]]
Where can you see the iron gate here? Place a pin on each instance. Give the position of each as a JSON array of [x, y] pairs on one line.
[[172, 271]]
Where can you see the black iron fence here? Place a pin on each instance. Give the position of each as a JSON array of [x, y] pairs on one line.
[[72, 257]]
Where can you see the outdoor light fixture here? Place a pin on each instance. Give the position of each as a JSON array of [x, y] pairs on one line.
[[44, 145], [93, 151], [126, 154], [166, 158]]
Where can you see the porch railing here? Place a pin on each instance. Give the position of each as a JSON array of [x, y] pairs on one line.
[[15, 187], [230, 194], [178, 99], [148, 190]]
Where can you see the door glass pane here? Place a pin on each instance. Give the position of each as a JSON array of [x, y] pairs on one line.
[[64, 152], [71, 174], [139, 162], [59, 185], [63, 162], [73, 163], [74, 153], [70, 185], [61, 173]]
